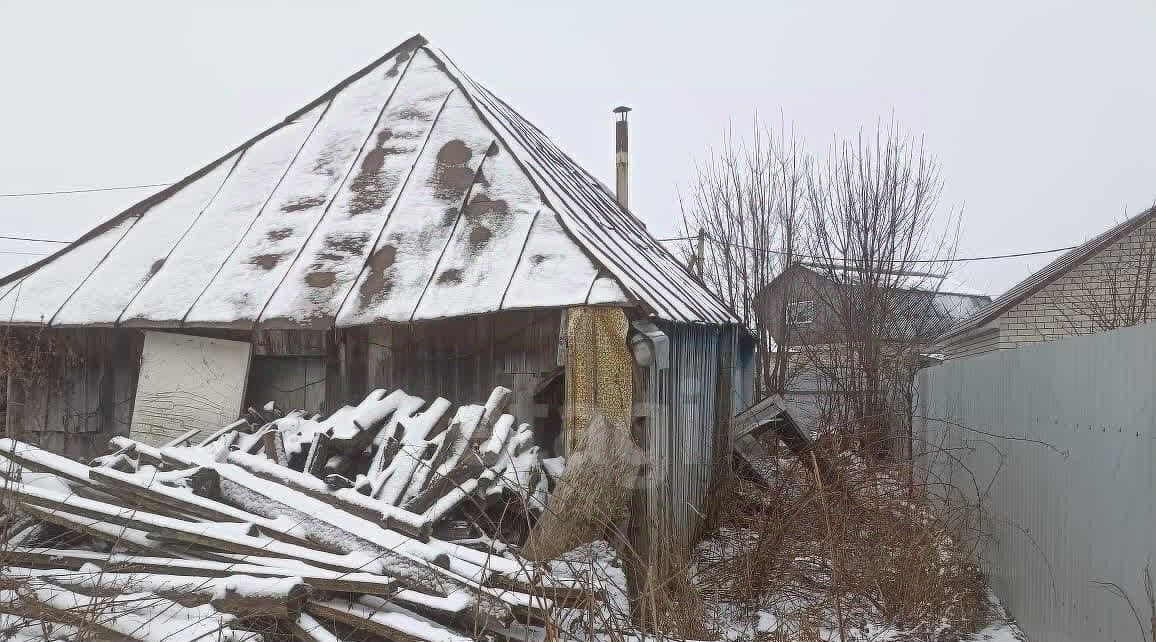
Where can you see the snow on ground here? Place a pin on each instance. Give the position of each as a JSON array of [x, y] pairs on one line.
[[738, 624]]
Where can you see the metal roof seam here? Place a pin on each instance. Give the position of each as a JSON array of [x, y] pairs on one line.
[[340, 309], [333, 197], [450, 237], [168, 254], [264, 204]]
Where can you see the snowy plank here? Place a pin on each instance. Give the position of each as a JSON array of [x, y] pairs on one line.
[[318, 578], [346, 499], [486, 245], [404, 258], [132, 616], [170, 293], [141, 253], [415, 430], [248, 277], [38, 296], [307, 629], [235, 594], [335, 254], [168, 529], [406, 558], [391, 622]]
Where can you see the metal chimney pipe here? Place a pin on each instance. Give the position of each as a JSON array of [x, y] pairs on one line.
[[622, 157]]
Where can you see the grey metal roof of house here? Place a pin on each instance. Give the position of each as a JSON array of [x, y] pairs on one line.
[[407, 192], [926, 306], [1042, 278]]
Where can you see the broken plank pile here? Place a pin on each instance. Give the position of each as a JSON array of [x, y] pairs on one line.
[[364, 525]]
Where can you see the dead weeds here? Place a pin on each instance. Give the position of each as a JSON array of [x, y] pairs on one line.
[[866, 552]]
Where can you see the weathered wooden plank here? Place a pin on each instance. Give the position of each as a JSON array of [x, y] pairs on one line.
[[319, 579], [348, 500], [390, 623]]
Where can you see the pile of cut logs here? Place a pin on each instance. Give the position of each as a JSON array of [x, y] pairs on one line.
[[364, 525]]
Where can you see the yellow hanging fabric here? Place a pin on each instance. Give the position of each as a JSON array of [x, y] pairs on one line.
[[599, 371]]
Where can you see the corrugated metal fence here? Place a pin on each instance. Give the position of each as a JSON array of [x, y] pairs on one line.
[[1059, 438]]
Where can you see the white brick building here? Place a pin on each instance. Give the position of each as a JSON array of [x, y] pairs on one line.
[[1108, 282]]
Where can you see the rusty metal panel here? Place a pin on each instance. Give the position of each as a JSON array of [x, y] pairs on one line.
[[1059, 439], [332, 259]]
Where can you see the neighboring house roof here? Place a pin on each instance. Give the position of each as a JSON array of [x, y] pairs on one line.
[[407, 192], [928, 313], [1041, 279], [930, 304]]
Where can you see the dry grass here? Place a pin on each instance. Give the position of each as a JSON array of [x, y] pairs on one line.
[[867, 551]]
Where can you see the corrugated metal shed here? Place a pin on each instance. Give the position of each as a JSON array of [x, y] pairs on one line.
[[407, 192]]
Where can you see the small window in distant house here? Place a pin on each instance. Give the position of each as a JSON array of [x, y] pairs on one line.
[[800, 312]]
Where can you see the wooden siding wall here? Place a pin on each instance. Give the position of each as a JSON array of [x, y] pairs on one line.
[[462, 359], [289, 382], [73, 389], [90, 374]]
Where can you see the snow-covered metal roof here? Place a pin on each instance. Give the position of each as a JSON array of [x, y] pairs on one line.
[[407, 192]]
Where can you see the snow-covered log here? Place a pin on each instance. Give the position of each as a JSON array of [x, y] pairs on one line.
[[283, 516]]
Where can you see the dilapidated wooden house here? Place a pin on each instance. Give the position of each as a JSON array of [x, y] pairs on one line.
[[406, 229]]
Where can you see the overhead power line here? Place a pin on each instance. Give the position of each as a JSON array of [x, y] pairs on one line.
[[821, 258], [84, 190], [23, 253], [34, 240]]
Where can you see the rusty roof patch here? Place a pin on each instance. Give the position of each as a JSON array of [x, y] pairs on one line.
[[303, 203], [267, 261], [279, 234], [450, 277], [453, 175], [369, 189], [320, 278], [378, 281]]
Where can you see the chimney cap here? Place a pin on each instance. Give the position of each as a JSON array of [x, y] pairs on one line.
[[621, 109]]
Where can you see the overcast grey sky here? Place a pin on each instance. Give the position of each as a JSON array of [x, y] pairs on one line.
[[1042, 113]]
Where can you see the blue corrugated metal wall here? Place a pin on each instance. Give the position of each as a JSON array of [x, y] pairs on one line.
[[689, 430], [1060, 438]]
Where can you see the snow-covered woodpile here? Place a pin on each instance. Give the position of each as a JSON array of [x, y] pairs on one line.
[[384, 519]]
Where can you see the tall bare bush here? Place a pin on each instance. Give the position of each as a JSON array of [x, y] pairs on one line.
[[873, 230], [747, 203]]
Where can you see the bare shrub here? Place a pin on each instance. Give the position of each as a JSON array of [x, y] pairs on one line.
[[873, 233], [745, 208], [862, 552]]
